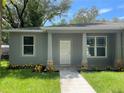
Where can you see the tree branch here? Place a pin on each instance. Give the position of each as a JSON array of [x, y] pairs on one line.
[[20, 14], [5, 20], [25, 4], [16, 8], [10, 17]]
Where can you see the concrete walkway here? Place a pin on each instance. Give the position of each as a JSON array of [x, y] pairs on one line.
[[73, 82]]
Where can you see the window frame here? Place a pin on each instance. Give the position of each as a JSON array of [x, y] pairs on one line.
[[96, 46], [28, 55]]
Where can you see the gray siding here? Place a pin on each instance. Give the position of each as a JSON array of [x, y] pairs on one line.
[[15, 41], [123, 46], [76, 48], [41, 49], [103, 62]]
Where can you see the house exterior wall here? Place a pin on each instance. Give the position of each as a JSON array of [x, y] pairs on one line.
[[76, 54], [15, 41], [41, 47], [76, 48], [109, 60], [123, 46]]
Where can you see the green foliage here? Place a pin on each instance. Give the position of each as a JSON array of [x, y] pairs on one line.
[[95, 68], [4, 63], [3, 3], [60, 23], [5, 37], [33, 13], [85, 16]]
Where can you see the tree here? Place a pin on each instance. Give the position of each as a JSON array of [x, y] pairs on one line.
[[115, 19], [102, 20], [85, 16], [62, 22], [1, 4], [33, 13]]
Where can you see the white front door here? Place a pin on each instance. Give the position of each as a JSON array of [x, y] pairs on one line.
[[65, 51]]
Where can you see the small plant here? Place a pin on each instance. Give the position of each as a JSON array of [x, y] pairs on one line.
[[39, 68], [95, 68], [108, 68], [119, 66], [25, 66], [51, 67], [84, 68]]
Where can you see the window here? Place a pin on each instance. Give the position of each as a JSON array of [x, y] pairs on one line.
[[97, 46], [28, 45]]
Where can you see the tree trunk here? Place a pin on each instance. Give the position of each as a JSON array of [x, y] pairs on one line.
[[0, 28]]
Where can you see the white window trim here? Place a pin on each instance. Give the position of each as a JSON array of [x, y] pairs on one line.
[[95, 48], [28, 55]]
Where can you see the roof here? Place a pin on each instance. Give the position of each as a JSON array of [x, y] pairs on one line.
[[92, 26], [106, 26]]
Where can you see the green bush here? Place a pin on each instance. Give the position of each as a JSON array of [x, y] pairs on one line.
[[108, 68]]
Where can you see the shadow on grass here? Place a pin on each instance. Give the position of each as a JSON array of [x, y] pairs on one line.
[[27, 73]]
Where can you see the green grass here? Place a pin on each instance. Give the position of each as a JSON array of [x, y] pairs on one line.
[[26, 81], [106, 82]]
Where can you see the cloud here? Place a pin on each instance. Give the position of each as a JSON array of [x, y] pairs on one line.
[[105, 10], [121, 6], [122, 17]]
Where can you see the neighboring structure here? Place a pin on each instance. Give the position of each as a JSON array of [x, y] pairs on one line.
[[98, 44]]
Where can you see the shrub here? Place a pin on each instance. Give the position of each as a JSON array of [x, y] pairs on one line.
[[95, 68], [39, 68], [25, 66], [119, 66], [51, 67], [108, 68], [84, 68]]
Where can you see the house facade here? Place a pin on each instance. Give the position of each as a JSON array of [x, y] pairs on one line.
[[95, 45]]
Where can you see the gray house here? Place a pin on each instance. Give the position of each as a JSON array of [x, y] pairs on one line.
[[98, 44]]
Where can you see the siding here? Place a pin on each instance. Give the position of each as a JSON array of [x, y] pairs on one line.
[[76, 47], [123, 46], [15, 41], [103, 62], [41, 49]]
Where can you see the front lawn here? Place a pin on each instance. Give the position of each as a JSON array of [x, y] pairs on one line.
[[26, 81], [106, 82]]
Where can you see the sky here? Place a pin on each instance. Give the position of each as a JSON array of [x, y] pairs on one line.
[[108, 9]]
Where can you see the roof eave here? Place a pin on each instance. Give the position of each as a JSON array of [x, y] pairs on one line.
[[21, 30]]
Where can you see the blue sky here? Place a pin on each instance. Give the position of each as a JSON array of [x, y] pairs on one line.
[[107, 8]]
